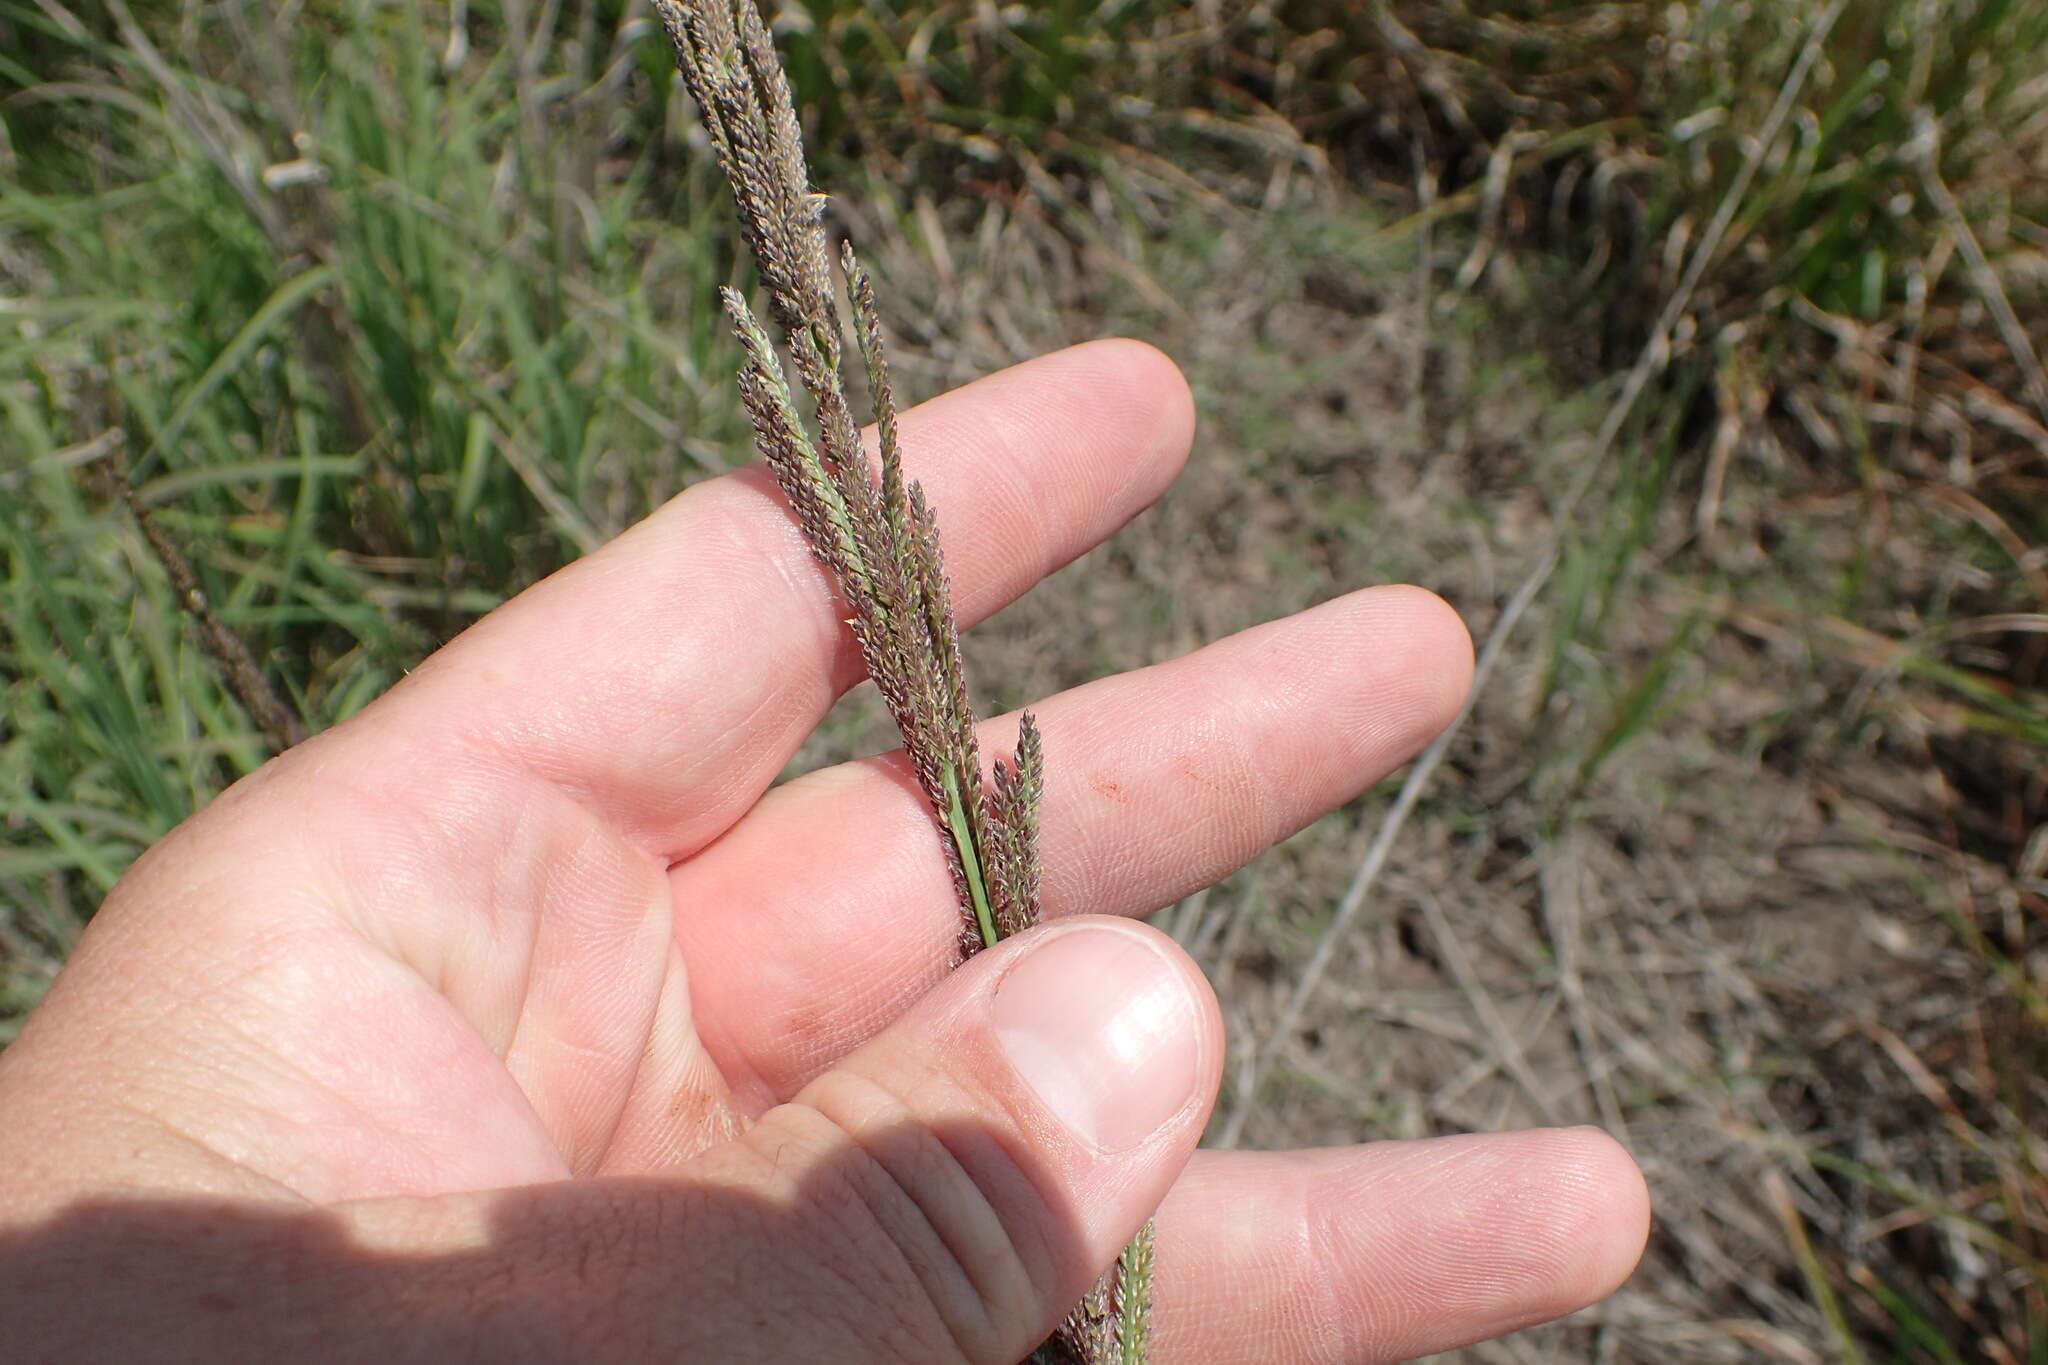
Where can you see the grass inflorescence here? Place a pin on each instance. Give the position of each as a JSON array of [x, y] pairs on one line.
[[874, 531], [878, 536]]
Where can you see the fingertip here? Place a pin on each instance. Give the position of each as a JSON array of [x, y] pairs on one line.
[[1555, 1220], [1396, 1249], [1441, 647], [1604, 1209], [1402, 662], [1155, 375], [1142, 381]]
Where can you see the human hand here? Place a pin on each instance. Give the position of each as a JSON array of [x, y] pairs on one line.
[[517, 1019]]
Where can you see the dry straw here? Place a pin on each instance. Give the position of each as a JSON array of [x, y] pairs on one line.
[[876, 533]]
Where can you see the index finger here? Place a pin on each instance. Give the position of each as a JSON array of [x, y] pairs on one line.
[[665, 679]]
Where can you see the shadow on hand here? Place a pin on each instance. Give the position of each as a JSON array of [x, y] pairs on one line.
[[841, 1265]]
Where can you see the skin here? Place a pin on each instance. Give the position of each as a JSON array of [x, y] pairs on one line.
[[517, 1019]]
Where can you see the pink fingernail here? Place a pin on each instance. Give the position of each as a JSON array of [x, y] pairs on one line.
[[1103, 1028]]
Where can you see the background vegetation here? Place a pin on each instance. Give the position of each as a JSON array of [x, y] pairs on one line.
[[1693, 350]]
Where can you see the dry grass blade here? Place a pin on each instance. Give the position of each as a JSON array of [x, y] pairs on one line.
[[274, 717], [1259, 1055], [1926, 153]]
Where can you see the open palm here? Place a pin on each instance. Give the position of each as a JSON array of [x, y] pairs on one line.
[[526, 984]]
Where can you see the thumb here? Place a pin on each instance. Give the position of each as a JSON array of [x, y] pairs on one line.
[[946, 1193]]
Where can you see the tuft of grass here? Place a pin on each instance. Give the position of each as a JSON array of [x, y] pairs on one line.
[[378, 326]]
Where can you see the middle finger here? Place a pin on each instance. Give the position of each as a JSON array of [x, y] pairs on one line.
[[825, 911]]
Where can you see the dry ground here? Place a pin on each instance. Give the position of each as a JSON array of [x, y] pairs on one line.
[[1684, 872]]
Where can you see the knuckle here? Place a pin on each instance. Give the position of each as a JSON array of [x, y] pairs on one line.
[[903, 1202]]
